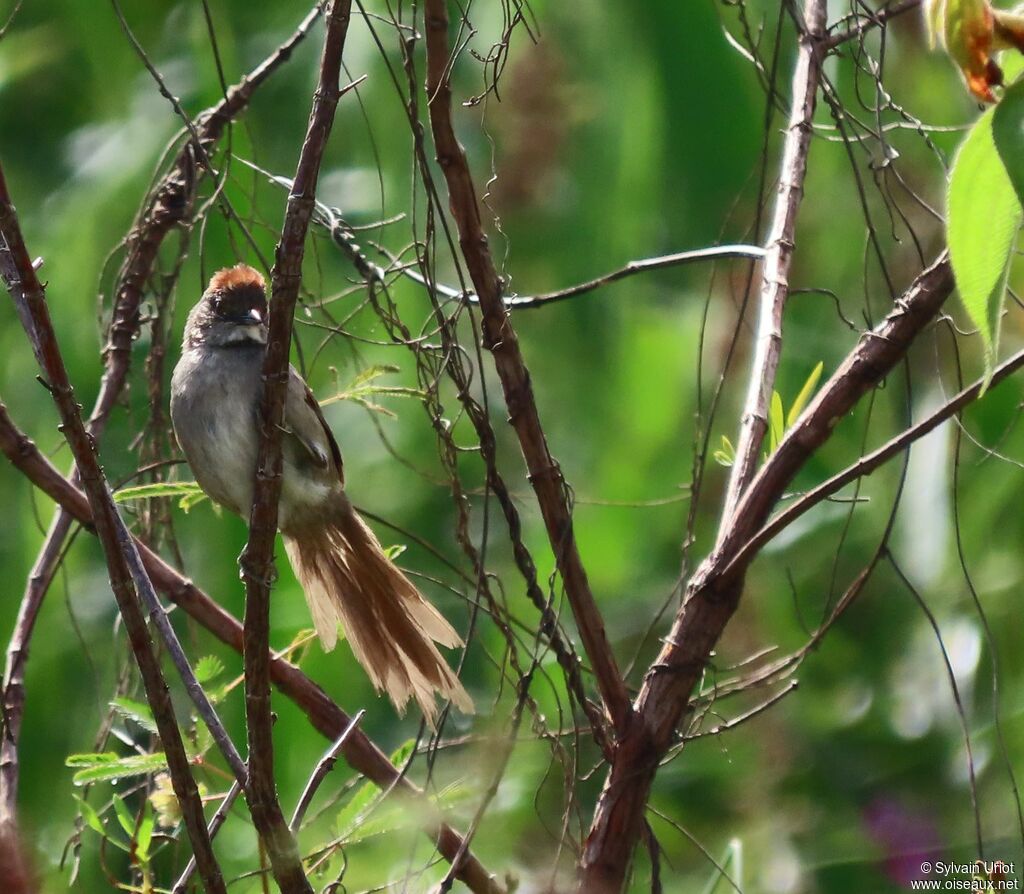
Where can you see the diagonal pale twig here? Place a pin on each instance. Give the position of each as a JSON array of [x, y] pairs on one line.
[[27, 291], [320, 771], [779, 248], [257, 561], [328, 719]]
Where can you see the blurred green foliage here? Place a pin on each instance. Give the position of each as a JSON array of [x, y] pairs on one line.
[[626, 131]]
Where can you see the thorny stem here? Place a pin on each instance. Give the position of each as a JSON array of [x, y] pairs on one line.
[[257, 560], [27, 293], [500, 339], [168, 206]]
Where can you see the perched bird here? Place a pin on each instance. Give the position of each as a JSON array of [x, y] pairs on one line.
[[216, 391]]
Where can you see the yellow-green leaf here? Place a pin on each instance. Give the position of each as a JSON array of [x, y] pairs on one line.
[[810, 386], [726, 454], [776, 422], [159, 489], [983, 216]]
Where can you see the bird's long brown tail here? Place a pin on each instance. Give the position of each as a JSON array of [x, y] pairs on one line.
[[349, 580]]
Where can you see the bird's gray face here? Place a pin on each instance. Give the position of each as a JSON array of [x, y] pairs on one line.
[[228, 317]]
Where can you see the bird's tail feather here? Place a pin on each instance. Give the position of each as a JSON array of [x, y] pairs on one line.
[[349, 580]]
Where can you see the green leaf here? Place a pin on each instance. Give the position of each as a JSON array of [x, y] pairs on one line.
[[190, 500], [91, 817], [138, 712], [359, 804], [158, 490], [1012, 64], [209, 668], [362, 387], [983, 216], [805, 394], [776, 422], [401, 755], [144, 836], [107, 765], [1008, 135], [395, 550], [726, 454], [353, 816], [124, 816], [374, 372]]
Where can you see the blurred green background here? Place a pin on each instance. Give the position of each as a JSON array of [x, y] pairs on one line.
[[625, 131]]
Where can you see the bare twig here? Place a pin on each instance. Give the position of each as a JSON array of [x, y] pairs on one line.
[[158, 617], [713, 253], [168, 206], [869, 20], [216, 821], [871, 461], [550, 626], [778, 255], [27, 291], [10, 19], [344, 237], [320, 771], [500, 339], [758, 709], [257, 561], [325, 716]]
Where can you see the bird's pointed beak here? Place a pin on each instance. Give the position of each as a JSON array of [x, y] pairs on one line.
[[254, 316]]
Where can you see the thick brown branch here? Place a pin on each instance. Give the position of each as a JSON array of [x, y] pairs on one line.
[[27, 292], [325, 716], [257, 558], [500, 339], [871, 461], [712, 594], [778, 255]]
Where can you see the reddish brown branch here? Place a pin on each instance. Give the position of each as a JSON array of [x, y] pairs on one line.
[[325, 716], [27, 292], [779, 255], [500, 339], [168, 206], [714, 591], [871, 461], [257, 559]]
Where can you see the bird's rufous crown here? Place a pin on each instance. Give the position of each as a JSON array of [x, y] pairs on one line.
[[240, 276]]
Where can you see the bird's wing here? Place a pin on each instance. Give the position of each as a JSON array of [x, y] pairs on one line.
[[304, 421]]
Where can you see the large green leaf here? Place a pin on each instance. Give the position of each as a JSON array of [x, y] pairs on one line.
[[983, 215], [1008, 134]]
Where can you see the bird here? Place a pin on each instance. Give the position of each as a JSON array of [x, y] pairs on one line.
[[348, 579]]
